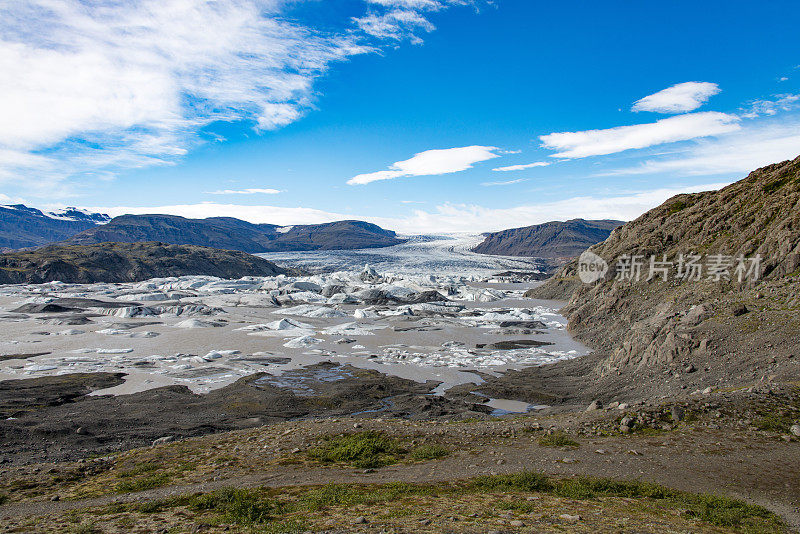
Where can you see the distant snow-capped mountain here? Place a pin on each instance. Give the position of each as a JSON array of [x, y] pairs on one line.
[[22, 226], [78, 214]]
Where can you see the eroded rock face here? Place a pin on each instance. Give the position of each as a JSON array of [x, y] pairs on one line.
[[654, 324]]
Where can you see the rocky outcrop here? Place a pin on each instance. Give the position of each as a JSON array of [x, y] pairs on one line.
[[234, 234], [21, 226], [124, 262], [552, 240], [707, 331]]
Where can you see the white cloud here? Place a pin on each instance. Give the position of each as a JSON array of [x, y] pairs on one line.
[[112, 85], [474, 218], [507, 182], [408, 4], [679, 98], [522, 167], [621, 138], [431, 162], [446, 217], [784, 102], [396, 24], [245, 192], [5, 199], [755, 146]]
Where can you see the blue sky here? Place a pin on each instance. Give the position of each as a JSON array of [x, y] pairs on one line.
[[395, 111]]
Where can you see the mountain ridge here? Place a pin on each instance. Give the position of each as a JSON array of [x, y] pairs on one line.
[[551, 240], [235, 234], [23, 227]]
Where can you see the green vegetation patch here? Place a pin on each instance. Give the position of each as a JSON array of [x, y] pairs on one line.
[[675, 207], [429, 452], [720, 511], [774, 423], [149, 481], [240, 506], [558, 439], [363, 449], [777, 184]]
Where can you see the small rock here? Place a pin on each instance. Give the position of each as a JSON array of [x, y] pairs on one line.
[[595, 405], [162, 440], [356, 425], [570, 518], [690, 368], [795, 430], [623, 406], [738, 309], [678, 413], [360, 520], [81, 431], [516, 523], [627, 421], [708, 390], [55, 498]]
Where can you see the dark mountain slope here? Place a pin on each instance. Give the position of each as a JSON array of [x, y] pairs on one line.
[[662, 337], [222, 233], [340, 235], [21, 226], [234, 234], [127, 262], [549, 240]]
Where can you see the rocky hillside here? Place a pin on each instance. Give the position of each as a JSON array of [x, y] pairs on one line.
[[661, 335], [550, 240], [21, 226], [234, 234], [123, 262]]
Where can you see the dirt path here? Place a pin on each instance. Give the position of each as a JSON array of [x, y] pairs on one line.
[[759, 469]]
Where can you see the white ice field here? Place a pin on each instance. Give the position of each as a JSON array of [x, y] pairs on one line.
[[205, 332]]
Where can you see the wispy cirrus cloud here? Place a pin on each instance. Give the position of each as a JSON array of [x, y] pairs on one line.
[[757, 144], [430, 163], [587, 143], [506, 182], [245, 192], [111, 85], [782, 102], [679, 98], [522, 167]]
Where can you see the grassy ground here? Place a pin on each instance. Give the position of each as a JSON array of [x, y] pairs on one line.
[[523, 502]]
